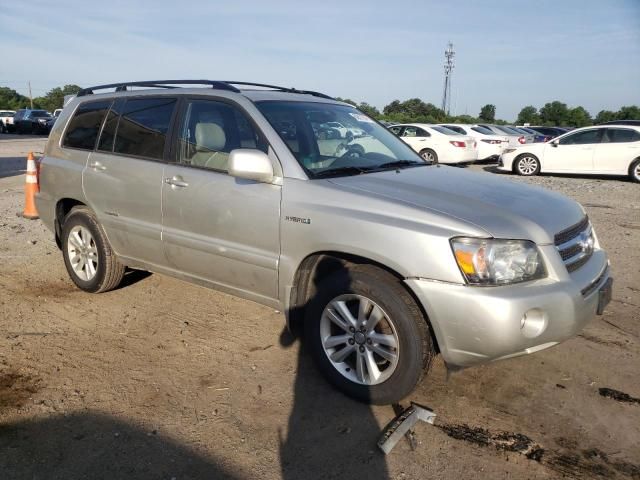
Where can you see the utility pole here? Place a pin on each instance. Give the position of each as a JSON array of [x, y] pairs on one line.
[[449, 53], [30, 96]]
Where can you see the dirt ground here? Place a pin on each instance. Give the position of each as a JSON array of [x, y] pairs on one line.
[[161, 379]]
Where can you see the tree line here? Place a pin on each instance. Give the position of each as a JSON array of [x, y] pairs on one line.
[[412, 110], [54, 98]]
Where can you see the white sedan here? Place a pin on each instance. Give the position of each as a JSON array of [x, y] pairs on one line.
[[599, 150], [490, 145], [437, 144]]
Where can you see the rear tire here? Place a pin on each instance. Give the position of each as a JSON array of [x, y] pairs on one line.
[[634, 170], [90, 261], [527, 165], [429, 155], [393, 344]]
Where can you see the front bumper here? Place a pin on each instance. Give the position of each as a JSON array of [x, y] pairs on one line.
[[475, 325]]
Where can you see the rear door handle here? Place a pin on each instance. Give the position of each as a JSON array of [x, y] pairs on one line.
[[97, 166], [176, 181]]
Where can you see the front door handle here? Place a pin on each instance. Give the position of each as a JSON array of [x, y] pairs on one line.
[[97, 166], [176, 181]]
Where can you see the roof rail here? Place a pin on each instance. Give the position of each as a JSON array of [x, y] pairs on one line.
[[217, 84], [122, 86], [281, 89]]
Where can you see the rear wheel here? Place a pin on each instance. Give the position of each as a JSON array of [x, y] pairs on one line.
[[367, 335], [527, 165], [90, 262], [634, 170], [429, 155]]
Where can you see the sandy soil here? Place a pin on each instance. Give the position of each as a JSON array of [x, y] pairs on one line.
[[161, 379]]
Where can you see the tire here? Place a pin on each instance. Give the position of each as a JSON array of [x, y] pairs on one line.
[[634, 170], [85, 243], [400, 321], [429, 155], [527, 165]]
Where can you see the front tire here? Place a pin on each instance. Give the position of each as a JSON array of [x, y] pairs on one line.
[[90, 262], [367, 335], [527, 165], [634, 171]]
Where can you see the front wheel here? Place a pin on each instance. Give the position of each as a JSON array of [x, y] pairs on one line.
[[634, 170], [367, 335], [90, 262], [527, 165]]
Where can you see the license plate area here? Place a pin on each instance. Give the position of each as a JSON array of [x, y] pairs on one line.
[[604, 295]]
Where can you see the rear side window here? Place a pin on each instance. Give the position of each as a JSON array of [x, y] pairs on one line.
[[84, 126], [622, 135], [143, 127]]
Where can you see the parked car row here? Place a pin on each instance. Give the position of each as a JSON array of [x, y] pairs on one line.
[[27, 121]]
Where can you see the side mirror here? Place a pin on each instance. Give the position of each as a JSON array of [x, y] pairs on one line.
[[554, 143], [250, 164]]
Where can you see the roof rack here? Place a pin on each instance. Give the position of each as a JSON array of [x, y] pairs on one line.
[[122, 86], [216, 84]]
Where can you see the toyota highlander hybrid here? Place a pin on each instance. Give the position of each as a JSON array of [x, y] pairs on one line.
[[384, 258]]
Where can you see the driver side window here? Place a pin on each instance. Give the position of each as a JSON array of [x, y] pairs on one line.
[[210, 131], [414, 132], [582, 138]]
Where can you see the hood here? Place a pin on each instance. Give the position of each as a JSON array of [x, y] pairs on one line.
[[501, 207]]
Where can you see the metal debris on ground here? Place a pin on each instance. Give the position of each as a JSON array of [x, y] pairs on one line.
[[401, 426]]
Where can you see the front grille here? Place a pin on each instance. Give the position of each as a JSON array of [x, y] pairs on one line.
[[575, 244]]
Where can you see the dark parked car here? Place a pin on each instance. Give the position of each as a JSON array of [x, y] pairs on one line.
[[551, 132], [31, 121]]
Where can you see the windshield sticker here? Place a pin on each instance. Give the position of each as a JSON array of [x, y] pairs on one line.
[[361, 118]]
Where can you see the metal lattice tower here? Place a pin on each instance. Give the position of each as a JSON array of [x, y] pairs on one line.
[[448, 71]]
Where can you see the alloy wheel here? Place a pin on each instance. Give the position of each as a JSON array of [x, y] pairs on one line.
[[82, 252], [527, 165], [360, 339]]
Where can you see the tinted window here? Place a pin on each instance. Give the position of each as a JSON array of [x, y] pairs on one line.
[[455, 128], [445, 130], [211, 130], [84, 127], [108, 134], [622, 135], [582, 138], [39, 113], [396, 130], [483, 130], [143, 127]]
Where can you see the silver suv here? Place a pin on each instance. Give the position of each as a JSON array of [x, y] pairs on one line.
[[383, 258]]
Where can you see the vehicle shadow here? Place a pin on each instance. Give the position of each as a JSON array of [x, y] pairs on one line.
[[93, 445], [494, 169], [12, 166], [131, 277], [329, 435]]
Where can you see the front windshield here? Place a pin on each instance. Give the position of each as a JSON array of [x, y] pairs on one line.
[[330, 139], [39, 113]]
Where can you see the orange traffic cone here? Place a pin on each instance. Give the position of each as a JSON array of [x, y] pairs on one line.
[[31, 187]]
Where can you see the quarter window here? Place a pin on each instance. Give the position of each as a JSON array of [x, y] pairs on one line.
[[582, 138], [143, 126], [84, 127], [211, 130]]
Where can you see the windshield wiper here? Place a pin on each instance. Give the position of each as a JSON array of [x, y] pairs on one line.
[[338, 171], [401, 163]]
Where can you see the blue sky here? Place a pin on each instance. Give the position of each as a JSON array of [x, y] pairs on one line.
[[509, 53]]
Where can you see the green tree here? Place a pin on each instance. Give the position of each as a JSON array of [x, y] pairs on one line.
[[54, 98], [369, 110], [578, 117], [413, 110], [554, 113], [605, 116], [528, 114], [488, 113], [12, 100], [631, 112]]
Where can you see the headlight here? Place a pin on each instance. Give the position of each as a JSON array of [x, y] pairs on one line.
[[42, 120], [497, 262]]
